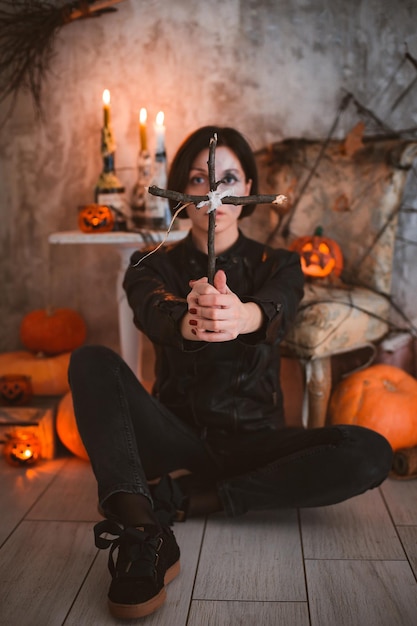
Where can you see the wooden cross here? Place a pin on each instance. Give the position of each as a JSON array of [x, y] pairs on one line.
[[213, 200]]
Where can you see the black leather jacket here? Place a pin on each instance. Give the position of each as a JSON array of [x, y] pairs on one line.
[[219, 388]]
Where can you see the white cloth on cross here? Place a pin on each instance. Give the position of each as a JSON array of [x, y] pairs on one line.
[[214, 200], [281, 199]]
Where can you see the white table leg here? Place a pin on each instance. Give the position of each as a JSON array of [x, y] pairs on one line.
[[130, 337]]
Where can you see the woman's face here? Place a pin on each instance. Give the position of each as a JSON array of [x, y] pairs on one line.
[[230, 172]]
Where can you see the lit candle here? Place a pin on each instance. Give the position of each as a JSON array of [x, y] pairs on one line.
[[143, 115], [106, 107], [160, 133]]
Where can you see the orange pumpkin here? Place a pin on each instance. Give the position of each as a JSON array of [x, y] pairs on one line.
[[320, 256], [94, 218], [382, 398], [49, 375], [52, 331], [15, 389], [66, 427]]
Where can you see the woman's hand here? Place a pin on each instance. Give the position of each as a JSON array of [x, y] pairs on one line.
[[216, 314]]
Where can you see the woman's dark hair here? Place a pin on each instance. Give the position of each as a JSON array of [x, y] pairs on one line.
[[198, 141]]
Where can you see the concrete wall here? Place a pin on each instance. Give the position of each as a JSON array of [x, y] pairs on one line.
[[272, 68]]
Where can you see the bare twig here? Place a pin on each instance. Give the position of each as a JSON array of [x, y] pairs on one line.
[[212, 215], [279, 200], [95, 8], [28, 29]]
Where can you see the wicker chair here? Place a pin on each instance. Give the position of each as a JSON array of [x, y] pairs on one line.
[[355, 199]]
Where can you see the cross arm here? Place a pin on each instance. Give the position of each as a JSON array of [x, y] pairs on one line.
[[177, 196]]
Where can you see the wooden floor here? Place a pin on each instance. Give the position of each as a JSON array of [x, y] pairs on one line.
[[351, 564]]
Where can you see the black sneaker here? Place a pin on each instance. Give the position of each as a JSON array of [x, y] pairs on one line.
[[147, 560]]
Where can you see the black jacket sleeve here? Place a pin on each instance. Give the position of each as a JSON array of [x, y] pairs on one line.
[[278, 294], [157, 297]]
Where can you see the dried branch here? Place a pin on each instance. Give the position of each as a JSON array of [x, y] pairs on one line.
[[28, 29], [280, 200], [212, 215], [95, 8]]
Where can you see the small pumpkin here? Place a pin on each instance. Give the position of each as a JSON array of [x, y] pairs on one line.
[[381, 397], [22, 448], [320, 256], [15, 389], [66, 427], [53, 331], [93, 218], [49, 375]]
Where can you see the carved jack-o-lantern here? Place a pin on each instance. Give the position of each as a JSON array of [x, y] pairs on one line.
[[94, 218], [320, 256], [22, 448], [15, 389]]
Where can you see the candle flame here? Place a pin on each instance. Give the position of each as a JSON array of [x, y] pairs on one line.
[[143, 115], [106, 96], [160, 118]]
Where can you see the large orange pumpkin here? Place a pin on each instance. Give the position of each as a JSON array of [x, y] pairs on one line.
[[382, 398], [49, 375], [320, 256], [66, 427], [52, 331]]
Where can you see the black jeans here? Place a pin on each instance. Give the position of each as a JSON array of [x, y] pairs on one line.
[[131, 438]]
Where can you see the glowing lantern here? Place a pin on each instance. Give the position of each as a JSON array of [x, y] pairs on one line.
[[22, 448]]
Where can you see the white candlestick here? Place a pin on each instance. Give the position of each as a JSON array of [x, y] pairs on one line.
[[160, 133]]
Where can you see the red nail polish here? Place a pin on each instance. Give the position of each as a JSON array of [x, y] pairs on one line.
[[192, 311], [193, 330], [193, 322]]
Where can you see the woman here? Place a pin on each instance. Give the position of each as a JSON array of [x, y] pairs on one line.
[[212, 436]]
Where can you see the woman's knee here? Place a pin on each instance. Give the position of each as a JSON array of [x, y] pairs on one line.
[[88, 359], [372, 453]]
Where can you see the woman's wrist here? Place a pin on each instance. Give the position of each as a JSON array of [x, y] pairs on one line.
[[253, 318]]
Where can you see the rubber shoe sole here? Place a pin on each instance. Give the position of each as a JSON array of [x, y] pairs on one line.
[[134, 611]]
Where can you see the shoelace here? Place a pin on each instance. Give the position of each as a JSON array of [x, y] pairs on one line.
[[138, 547], [169, 502]]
